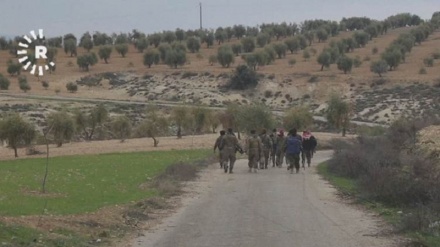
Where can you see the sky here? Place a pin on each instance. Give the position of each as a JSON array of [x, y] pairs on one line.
[[58, 17]]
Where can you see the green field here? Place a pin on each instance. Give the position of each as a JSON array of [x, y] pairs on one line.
[[80, 184]]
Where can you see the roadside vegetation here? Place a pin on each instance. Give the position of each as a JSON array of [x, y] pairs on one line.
[[394, 175]]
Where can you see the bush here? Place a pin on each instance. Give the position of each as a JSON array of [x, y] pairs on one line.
[[23, 84], [225, 56], [45, 84], [429, 62], [422, 71], [375, 50], [292, 61], [357, 62], [436, 55], [213, 60], [268, 94], [151, 56], [243, 78], [4, 82], [72, 87]]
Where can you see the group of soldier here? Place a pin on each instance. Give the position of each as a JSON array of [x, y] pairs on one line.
[[263, 147]]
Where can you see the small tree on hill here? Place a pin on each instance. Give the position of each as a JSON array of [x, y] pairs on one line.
[[193, 44], [72, 87], [14, 68], [169, 37], [237, 49], [141, 44], [251, 61], [322, 35], [45, 84], [248, 44], [263, 39], [280, 49], [153, 126], [379, 67], [87, 60], [175, 57], [17, 132], [225, 56], [63, 127], [181, 118], [361, 38], [298, 117], [4, 82], [392, 58], [70, 47], [209, 39], [121, 127], [180, 35], [345, 64], [243, 78], [292, 44], [324, 59], [151, 56], [88, 123], [338, 113], [105, 52], [255, 117], [122, 49], [23, 84], [155, 39]]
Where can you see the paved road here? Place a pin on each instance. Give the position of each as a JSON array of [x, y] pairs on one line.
[[268, 209]]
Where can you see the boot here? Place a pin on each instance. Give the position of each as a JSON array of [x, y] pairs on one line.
[[226, 168]]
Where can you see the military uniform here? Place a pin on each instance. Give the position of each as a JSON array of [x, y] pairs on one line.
[[229, 145], [254, 148], [273, 149], [280, 150], [217, 144], [266, 148]]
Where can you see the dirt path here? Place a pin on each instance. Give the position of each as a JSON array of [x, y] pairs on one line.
[[270, 208]]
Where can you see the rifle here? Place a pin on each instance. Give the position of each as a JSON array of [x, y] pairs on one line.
[[239, 149]]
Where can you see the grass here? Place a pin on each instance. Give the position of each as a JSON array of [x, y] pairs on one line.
[[80, 184], [390, 214]]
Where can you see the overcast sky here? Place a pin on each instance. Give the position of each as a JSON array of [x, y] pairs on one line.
[[58, 17]]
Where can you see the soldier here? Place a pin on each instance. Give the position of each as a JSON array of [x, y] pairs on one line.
[[293, 147], [229, 144], [273, 150], [281, 139], [309, 144], [254, 148], [266, 148], [217, 144]]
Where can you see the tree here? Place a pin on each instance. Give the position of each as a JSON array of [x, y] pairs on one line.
[[310, 36], [121, 127], [248, 44], [163, 49], [169, 37], [251, 61], [121, 38], [302, 41], [105, 52], [209, 39], [292, 44], [271, 54], [151, 56], [306, 55], [70, 47], [372, 31], [87, 60], [298, 117], [392, 58], [239, 31], [45, 84], [280, 49], [361, 38], [429, 61], [88, 123], [292, 61], [87, 44], [324, 59], [181, 118], [212, 60], [14, 68], [262, 57], [198, 119], [4, 82], [237, 48], [350, 44], [63, 127], [122, 49], [155, 39], [263, 39], [175, 57], [255, 117], [225, 56], [16, 131], [379, 67], [72, 87], [153, 125], [23, 84], [180, 34], [230, 118], [345, 64], [220, 35], [322, 35], [193, 44], [141, 44], [243, 78], [338, 113], [102, 39]]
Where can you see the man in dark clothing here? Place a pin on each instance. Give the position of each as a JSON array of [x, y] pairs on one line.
[[292, 149], [273, 151], [217, 145], [309, 144]]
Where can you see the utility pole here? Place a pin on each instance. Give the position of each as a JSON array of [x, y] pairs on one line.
[[200, 4]]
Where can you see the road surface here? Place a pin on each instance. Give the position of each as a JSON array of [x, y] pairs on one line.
[[269, 209]]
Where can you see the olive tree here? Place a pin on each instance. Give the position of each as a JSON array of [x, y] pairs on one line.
[[248, 44], [87, 60], [62, 127], [379, 67], [16, 132], [225, 56], [181, 118], [338, 113], [324, 59], [88, 123], [345, 64], [121, 127], [151, 56], [153, 126], [175, 57], [298, 117], [105, 52], [122, 49], [4, 82], [193, 44]]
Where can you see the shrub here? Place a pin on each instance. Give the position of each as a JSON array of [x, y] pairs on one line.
[[23, 84], [429, 62], [436, 55], [268, 94], [375, 50], [357, 62], [4, 82], [313, 78], [292, 61], [45, 84], [422, 71], [72, 87], [243, 78], [213, 60]]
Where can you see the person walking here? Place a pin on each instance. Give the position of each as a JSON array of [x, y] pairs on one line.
[[217, 143], [309, 144], [266, 148], [292, 148], [229, 146], [273, 150], [253, 149], [281, 139]]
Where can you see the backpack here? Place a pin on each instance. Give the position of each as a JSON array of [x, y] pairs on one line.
[[293, 144]]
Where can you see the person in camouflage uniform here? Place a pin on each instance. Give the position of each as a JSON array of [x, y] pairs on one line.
[[217, 145], [266, 148], [273, 150], [253, 149], [281, 139], [229, 146]]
